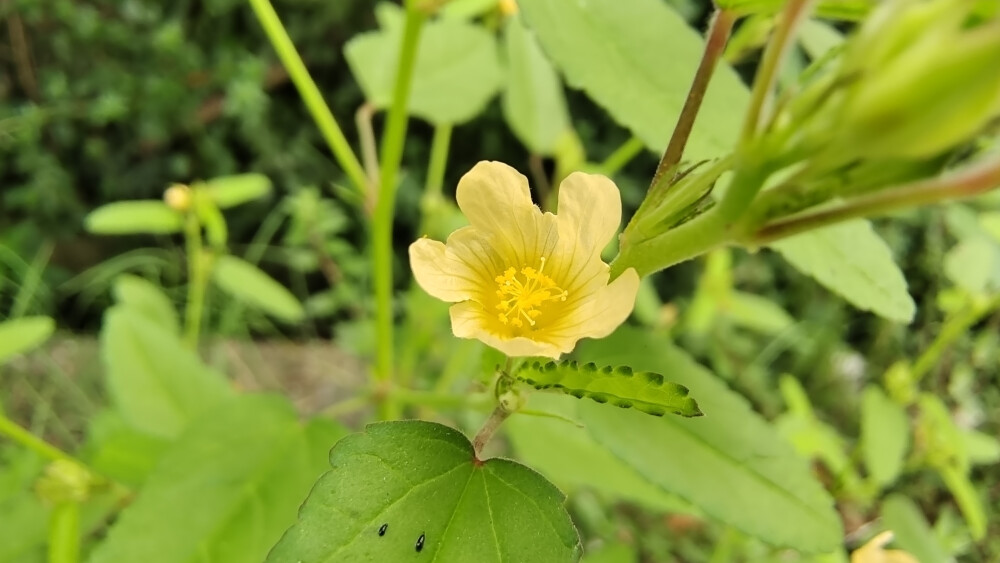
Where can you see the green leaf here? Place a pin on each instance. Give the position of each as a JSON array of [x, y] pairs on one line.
[[648, 392], [226, 491], [730, 463], [854, 262], [973, 264], [158, 385], [230, 191], [398, 482], [637, 58], [563, 451], [612, 553], [134, 217], [757, 313], [981, 448], [21, 335], [532, 101], [902, 516], [885, 435], [249, 284], [848, 10], [119, 452], [146, 298], [818, 38], [466, 9], [457, 69]]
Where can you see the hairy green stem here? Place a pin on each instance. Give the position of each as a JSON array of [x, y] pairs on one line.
[[718, 34], [310, 93], [969, 182], [774, 55], [197, 280], [392, 152], [621, 156]]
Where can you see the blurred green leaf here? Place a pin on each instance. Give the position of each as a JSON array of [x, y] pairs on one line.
[[757, 313], [849, 10], [146, 298], [903, 517], [612, 553], [119, 452], [818, 38], [533, 101], [227, 490], [414, 490], [134, 217], [647, 392], [249, 284], [981, 448], [973, 264], [21, 335], [230, 191], [158, 385], [457, 68], [851, 260], [563, 451], [885, 435], [729, 463], [466, 9], [636, 59]]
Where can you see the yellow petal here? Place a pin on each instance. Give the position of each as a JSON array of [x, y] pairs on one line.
[[471, 320], [600, 314], [441, 275], [874, 552], [496, 200], [590, 211]]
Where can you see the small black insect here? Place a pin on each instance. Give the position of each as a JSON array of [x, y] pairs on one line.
[[382, 529], [420, 543]]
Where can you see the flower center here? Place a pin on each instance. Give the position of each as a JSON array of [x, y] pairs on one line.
[[523, 293]]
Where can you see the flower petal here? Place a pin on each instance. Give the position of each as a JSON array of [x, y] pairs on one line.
[[590, 212], [600, 315], [470, 320], [442, 275]]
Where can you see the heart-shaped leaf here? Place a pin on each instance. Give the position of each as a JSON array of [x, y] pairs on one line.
[[415, 491]]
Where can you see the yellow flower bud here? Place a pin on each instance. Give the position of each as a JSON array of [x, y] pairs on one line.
[[178, 197]]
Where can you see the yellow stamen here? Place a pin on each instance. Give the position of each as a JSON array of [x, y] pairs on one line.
[[522, 296]]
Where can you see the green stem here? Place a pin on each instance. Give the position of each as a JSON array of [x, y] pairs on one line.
[[718, 34], [320, 112], [21, 436], [64, 533], [490, 427], [197, 280], [392, 153], [972, 181], [774, 55], [32, 279], [953, 329], [435, 174], [621, 156]]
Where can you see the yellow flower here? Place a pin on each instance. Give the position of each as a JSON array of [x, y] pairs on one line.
[[525, 282], [874, 552]]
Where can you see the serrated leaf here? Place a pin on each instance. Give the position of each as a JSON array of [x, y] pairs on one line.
[[230, 191], [730, 464], [249, 284], [568, 455], [851, 260], [157, 384], [457, 70], [647, 392], [227, 489], [145, 298], [414, 491], [532, 100], [21, 335], [636, 59], [885, 435], [911, 531], [134, 217]]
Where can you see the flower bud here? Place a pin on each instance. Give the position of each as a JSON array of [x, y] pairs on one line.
[[178, 197]]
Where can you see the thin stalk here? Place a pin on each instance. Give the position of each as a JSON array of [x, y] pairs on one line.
[[953, 329], [621, 156], [197, 280], [392, 153], [436, 167], [490, 427], [715, 45], [369, 152], [967, 183], [32, 279], [64, 533], [31, 442], [774, 55], [310, 93]]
